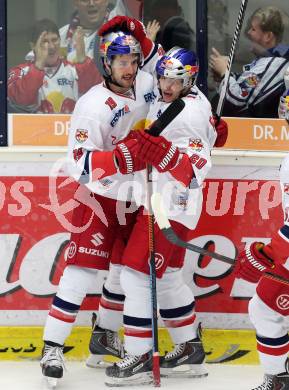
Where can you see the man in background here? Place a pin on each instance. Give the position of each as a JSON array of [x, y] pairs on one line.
[[256, 91]]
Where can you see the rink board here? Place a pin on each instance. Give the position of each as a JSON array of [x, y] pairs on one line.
[[221, 346]]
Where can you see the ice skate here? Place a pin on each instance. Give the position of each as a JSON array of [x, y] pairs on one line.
[[275, 382], [52, 364], [186, 360], [103, 342], [130, 371]]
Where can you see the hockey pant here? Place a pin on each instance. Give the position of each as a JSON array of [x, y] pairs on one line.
[[176, 304], [269, 311], [74, 285]]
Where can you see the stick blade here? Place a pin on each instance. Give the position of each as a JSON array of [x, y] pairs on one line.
[[159, 212]]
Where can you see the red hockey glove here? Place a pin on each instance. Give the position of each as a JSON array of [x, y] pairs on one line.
[[222, 131], [132, 26], [157, 151], [252, 263], [115, 24], [126, 156]]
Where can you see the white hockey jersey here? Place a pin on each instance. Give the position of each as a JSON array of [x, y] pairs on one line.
[[101, 119], [193, 133]]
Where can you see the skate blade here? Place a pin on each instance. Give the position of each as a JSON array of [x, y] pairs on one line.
[[51, 383], [100, 361], [185, 371], [135, 380]]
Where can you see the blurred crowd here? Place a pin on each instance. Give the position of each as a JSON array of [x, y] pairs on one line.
[[63, 63]]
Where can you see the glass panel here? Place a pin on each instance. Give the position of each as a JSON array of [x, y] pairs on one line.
[[176, 19], [42, 35], [222, 18]]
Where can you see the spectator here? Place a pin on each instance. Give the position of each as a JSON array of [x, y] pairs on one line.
[[90, 15], [256, 91], [47, 83], [175, 30]]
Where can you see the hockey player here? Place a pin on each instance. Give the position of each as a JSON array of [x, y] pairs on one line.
[[103, 158], [181, 159], [256, 91], [268, 265], [49, 84]]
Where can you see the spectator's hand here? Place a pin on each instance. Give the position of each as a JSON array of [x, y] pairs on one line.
[[152, 29], [251, 263], [41, 51], [218, 64], [79, 44], [222, 131]]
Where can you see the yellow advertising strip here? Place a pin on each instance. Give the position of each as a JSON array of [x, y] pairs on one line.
[[221, 346], [257, 134], [244, 133], [40, 129]]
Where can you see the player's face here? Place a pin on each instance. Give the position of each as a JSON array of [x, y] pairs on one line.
[[170, 88], [91, 12], [124, 68]]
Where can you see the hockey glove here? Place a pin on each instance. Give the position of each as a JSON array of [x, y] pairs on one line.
[[126, 157], [222, 131], [157, 151], [133, 27], [252, 262], [115, 24]]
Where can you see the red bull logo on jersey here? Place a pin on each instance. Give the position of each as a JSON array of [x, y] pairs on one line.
[[81, 135], [121, 112], [196, 144]]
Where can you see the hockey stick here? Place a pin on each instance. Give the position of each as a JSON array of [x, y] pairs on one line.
[[166, 117], [167, 230], [231, 56], [155, 130]]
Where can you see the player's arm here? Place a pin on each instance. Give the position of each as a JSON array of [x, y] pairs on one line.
[[165, 156], [88, 161], [252, 262]]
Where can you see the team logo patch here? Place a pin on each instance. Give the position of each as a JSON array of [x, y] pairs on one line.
[[283, 302], [196, 144], [71, 251], [251, 80], [111, 103], [81, 135], [159, 260], [77, 154]]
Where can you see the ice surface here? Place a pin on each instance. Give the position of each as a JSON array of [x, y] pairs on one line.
[[27, 376]]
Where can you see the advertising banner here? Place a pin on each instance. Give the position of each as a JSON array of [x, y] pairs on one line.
[[257, 134], [38, 129], [34, 232], [245, 133]]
